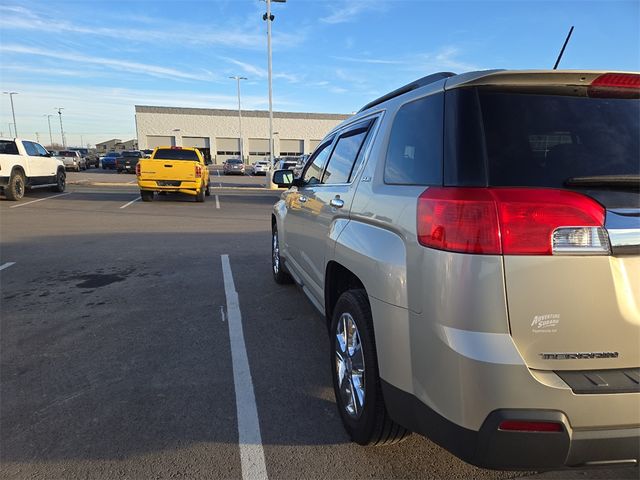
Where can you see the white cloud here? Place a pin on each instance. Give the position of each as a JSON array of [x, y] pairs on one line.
[[375, 61], [259, 72], [347, 10], [122, 65], [156, 31]]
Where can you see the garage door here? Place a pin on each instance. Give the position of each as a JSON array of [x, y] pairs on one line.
[[258, 149], [227, 148], [198, 142], [313, 144], [291, 148], [154, 141]]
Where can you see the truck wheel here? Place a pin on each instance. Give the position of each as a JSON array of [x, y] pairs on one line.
[[200, 195], [280, 274], [354, 367], [207, 192], [61, 182], [146, 195], [15, 188]]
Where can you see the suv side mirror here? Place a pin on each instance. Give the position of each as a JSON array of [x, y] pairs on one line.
[[283, 178]]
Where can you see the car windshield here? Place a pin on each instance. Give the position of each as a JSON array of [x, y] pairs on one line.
[[67, 154], [176, 154], [113, 154], [546, 140], [132, 154], [234, 161]]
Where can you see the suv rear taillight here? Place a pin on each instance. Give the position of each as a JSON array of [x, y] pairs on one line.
[[511, 221], [616, 85], [138, 169], [198, 171]]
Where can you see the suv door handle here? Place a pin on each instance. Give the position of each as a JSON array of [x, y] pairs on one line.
[[336, 202], [302, 198]]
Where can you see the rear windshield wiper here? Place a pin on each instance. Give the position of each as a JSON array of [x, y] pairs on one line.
[[605, 181]]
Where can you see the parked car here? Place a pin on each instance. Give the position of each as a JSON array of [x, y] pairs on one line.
[[473, 242], [109, 160], [233, 166], [127, 161], [174, 170], [147, 152], [261, 167], [72, 160], [26, 165], [89, 156]]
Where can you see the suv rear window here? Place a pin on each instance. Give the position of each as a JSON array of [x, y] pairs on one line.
[[540, 140], [176, 154]]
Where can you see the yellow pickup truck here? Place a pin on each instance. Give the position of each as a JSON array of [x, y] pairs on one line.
[[173, 169]]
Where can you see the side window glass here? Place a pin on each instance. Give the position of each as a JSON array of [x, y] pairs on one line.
[[41, 150], [344, 155], [31, 149], [414, 156], [313, 172]]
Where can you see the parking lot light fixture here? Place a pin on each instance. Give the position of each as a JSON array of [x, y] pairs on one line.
[[13, 112], [64, 141], [269, 18], [237, 79], [49, 122]]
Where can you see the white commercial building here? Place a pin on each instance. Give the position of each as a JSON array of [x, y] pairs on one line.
[[217, 132]]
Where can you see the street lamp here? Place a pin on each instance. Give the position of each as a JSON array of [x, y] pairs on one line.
[[13, 112], [64, 141], [49, 122], [237, 79], [269, 18]]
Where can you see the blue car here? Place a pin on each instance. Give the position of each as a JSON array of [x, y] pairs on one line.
[[109, 160]]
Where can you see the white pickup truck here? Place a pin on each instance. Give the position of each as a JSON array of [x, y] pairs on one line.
[[25, 164]]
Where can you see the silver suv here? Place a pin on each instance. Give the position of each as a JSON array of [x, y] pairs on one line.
[[473, 242]]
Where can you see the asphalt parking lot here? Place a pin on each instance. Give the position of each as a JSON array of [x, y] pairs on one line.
[[120, 351]]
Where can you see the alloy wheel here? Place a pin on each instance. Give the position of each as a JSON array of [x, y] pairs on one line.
[[349, 365]]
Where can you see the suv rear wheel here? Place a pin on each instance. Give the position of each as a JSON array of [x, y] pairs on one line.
[[356, 381], [15, 189], [280, 275]]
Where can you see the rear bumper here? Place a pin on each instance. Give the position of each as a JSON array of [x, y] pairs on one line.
[[190, 188], [491, 447]]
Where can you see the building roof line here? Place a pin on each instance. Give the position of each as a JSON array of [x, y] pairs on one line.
[[234, 113]]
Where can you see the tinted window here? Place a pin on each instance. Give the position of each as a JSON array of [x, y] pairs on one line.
[[113, 154], [176, 154], [414, 156], [132, 154], [31, 149], [344, 155], [8, 147], [543, 140], [313, 172]]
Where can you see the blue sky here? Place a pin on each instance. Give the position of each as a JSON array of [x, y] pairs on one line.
[[98, 59]]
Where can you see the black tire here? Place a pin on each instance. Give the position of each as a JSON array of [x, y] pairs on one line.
[[200, 195], [16, 186], [146, 195], [61, 182], [279, 271], [207, 192], [368, 424]]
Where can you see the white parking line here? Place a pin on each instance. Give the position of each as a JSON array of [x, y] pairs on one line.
[[217, 202], [132, 201], [39, 200], [249, 438], [6, 265], [218, 172]]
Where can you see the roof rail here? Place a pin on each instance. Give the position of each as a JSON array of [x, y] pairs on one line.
[[421, 82]]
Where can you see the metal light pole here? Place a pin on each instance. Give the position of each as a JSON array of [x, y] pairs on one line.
[[64, 141], [269, 18], [13, 112], [237, 79], [49, 122]]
